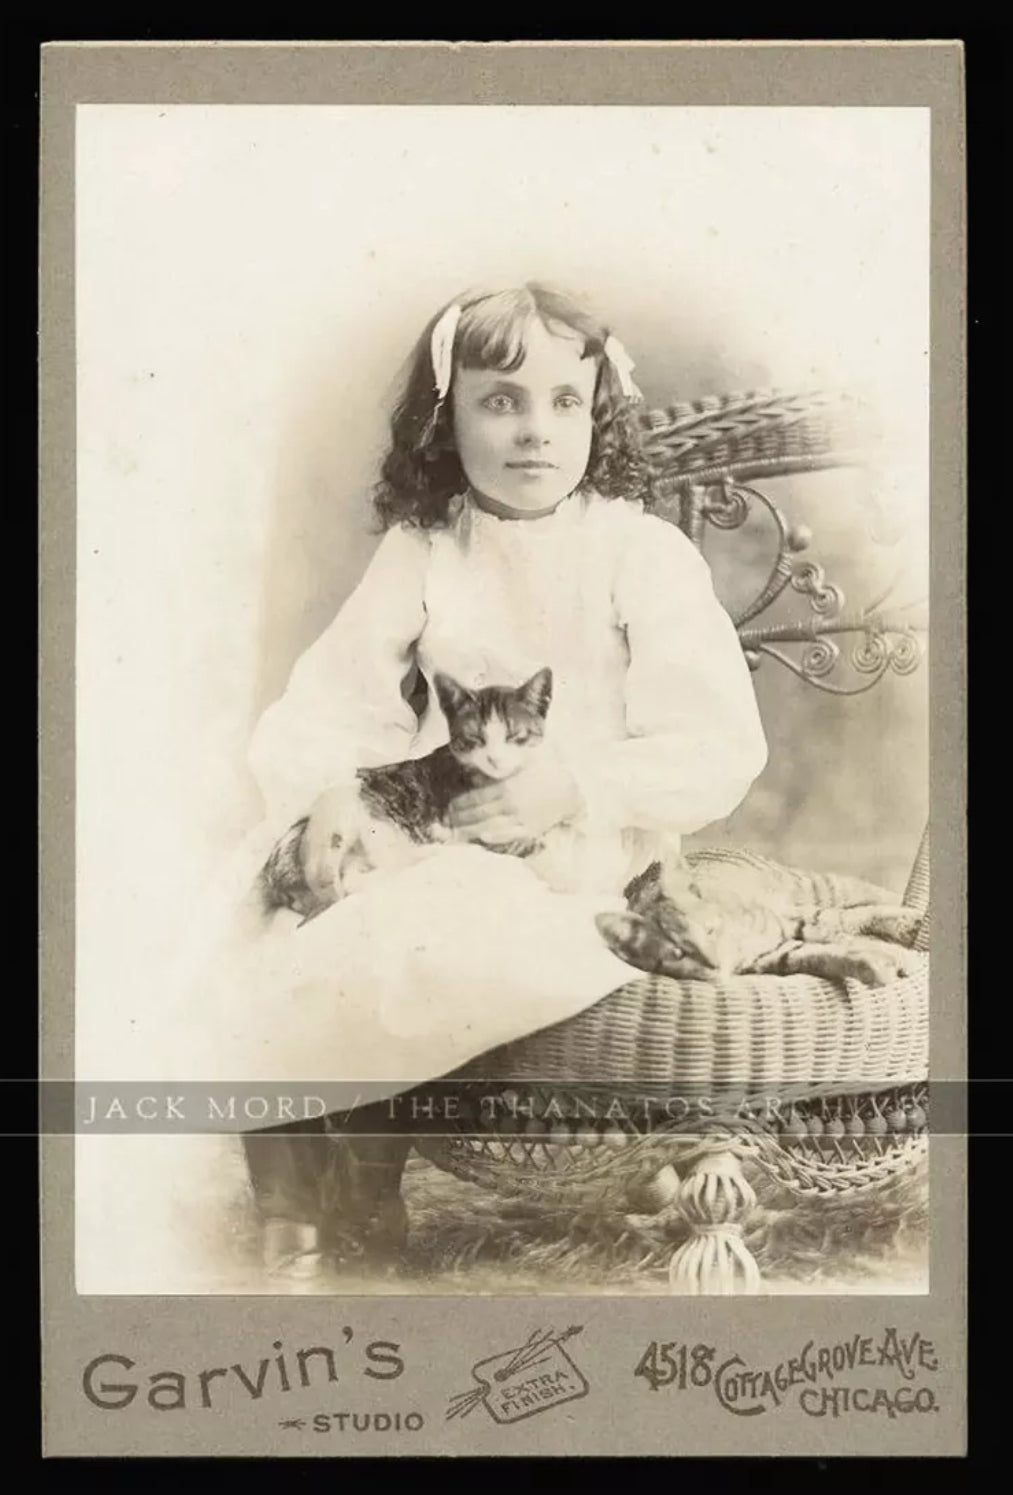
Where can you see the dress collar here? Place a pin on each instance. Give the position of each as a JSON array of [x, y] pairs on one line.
[[503, 511]]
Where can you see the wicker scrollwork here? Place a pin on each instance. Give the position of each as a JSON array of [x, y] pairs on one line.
[[707, 457], [886, 643], [825, 599], [819, 658]]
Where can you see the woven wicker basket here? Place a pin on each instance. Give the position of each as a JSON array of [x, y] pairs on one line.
[[754, 1033]]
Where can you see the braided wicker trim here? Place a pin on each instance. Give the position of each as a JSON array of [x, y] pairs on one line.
[[766, 427], [823, 1146], [809, 1178], [804, 1177]]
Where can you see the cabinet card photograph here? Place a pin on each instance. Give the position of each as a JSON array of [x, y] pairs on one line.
[[499, 505]]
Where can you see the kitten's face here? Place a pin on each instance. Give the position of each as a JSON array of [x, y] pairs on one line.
[[495, 730], [687, 920]]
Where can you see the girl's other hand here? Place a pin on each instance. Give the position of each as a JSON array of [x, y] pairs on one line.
[[525, 806], [323, 826]]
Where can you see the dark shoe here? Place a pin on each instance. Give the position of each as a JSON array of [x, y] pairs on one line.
[[376, 1240], [330, 1202], [298, 1253]]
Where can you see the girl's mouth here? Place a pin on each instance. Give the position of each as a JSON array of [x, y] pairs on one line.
[[533, 466]]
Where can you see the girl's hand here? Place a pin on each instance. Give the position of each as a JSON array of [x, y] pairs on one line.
[[325, 823], [525, 806]]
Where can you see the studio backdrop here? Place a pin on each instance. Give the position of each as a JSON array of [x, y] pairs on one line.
[[250, 281]]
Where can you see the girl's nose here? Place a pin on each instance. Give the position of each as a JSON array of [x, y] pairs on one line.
[[533, 431]]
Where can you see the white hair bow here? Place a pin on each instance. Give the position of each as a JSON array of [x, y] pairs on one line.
[[623, 365], [441, 348]]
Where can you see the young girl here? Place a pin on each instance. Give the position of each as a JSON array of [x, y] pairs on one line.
[[515, 538]]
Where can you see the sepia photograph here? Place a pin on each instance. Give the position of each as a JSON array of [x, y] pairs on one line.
[[502, 711]]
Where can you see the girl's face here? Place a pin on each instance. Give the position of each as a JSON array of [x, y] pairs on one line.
[[524, 438]]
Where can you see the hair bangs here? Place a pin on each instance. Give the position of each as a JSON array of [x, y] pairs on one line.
[[494, 329], [493, 332]]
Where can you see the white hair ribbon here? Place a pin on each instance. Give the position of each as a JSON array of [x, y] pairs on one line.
[[623, 365], [441, 348]]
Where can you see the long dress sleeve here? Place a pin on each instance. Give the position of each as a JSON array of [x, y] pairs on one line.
[[695, 742], [343, 708]]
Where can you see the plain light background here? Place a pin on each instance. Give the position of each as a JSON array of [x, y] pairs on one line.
[[249, 283]]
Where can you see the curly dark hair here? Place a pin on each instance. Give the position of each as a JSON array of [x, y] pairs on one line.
[[422, 472]]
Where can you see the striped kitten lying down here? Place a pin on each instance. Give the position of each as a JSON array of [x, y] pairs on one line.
[[715, 914], [398, 811]]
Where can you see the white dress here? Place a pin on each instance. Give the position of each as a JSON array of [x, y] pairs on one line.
[[652, 711], [429, 967]]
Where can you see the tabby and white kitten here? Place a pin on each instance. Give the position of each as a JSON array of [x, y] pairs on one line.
[[711, 915], [396, 811]]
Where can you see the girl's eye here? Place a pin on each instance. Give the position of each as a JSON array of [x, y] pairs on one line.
[[499, 403], [569, 402]]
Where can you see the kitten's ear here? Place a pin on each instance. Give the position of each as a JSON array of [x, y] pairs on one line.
[[536, 693], [627, 935], [450, 695], [677, 879]]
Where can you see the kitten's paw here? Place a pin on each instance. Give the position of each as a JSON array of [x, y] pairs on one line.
[[899, 925], [874, 963], [900, 961], [870, 970]]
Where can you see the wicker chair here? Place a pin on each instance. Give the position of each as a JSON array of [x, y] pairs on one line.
[[847, 1064]]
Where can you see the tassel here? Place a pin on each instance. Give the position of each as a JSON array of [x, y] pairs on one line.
[[715, 1200]]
